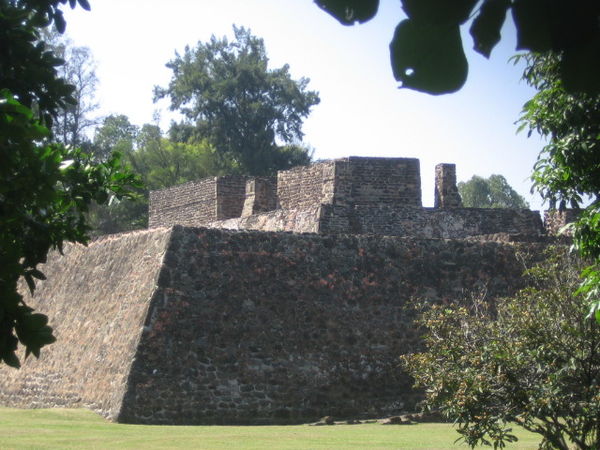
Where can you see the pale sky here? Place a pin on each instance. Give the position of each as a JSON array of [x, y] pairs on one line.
[[362, 111]]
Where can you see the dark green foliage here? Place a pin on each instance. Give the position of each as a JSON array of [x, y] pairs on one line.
[[529, 359], [427, 52], [28, 68], [159, 162], [568, 168], [242, 108], [45, 188], [492, 192], [348, 12]]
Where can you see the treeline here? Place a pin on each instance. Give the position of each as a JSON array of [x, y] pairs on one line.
[[237, 117]]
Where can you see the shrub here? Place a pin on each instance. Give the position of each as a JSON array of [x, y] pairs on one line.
[[531, 359]]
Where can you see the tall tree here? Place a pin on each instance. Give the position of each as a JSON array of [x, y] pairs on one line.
[[45, 188], [492, 192], [116, 134], [427, 53], [230, 97], [79, 70], [159, 162]]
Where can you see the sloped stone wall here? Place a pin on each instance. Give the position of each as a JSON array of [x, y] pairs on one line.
[[96, 298], [201, 326], [250, 327]]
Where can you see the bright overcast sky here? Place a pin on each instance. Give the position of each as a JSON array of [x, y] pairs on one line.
[[362, 111]]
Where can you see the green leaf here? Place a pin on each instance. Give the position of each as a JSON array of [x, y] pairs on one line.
[[486, 27], [533, 24], [11, 359], [428, 58], [84, 4], [30, 282], [439, 12], [348, 12], [580, 68], [59, 22]]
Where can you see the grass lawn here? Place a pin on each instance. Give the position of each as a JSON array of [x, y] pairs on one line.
[[78, 428]]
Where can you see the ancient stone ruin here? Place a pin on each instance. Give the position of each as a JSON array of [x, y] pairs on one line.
[[349, 196], [266, 300]]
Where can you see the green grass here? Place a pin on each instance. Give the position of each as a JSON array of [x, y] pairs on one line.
[[70, 428]]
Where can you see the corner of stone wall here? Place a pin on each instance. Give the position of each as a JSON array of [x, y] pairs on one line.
[[261, 196], [555, 220], [446, 191], [231, 194]]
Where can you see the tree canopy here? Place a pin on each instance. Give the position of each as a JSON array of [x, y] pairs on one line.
[[427, 52], [492, 192], [528, 359], [230, 97], [568, 168], [45, 188]]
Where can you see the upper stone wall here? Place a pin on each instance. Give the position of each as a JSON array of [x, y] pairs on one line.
[[376, 181], [348, 195], [192, 203], [306, 186], [458, 223]]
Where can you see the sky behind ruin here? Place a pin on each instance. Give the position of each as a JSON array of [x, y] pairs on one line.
[[362, 111]]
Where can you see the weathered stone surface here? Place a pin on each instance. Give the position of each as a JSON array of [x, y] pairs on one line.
[[205, 325], [555, 220], [194, 325], [97, 299], [261, 196], [446, 192], [348, 195]]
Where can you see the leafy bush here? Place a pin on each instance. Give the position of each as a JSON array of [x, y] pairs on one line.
[[531, 359]]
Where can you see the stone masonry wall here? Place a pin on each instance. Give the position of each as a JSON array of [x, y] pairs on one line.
[[261, 195], [446, 190], [201, 326], [97, 299], [193, 203], [251, 327], [394, 181], [428, 222], [555, 220], [391, 220], [303, 187], [231, 193]]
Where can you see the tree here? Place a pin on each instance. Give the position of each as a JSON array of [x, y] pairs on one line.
[[230, 97], [79, 70], [568, 168], [427, 51], [45, 187], [116, 134], [492, 192], [529, 359], [159, 162]]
